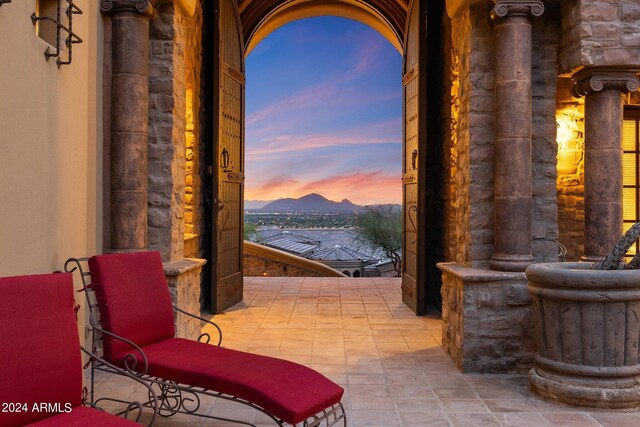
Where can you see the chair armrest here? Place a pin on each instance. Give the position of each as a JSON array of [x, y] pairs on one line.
[[204, 335], [153, 398], [130, 361]]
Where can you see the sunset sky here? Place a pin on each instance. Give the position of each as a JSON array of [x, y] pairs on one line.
[[323, 114]]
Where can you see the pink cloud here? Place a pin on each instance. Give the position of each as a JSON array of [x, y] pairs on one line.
[[268, 189]]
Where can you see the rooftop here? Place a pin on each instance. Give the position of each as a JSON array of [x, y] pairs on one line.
[[390, 362]]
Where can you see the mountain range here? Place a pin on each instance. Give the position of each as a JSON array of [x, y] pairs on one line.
[[310, 203]]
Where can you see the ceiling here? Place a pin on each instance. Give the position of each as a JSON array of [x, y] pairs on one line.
[[261, 17]]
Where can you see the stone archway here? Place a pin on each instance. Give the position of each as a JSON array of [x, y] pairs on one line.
[[166, 106]]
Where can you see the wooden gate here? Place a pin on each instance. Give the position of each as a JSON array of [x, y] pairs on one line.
[[414, 158], [228, 208]]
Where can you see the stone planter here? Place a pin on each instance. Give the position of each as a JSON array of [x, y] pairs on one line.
[[587, 331]]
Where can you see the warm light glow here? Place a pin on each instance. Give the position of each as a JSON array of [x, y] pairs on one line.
[[570, 138], [190, 158], [566, 128]]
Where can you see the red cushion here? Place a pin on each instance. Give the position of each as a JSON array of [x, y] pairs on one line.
[[288, 390], [39, 345], [133, 298], [82, 416]]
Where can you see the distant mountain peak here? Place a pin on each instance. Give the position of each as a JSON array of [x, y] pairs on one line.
[[313, 202]]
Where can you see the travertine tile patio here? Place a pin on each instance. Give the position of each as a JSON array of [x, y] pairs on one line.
[[358, 333]]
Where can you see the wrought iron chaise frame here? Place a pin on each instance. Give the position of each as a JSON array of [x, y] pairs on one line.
[[173, 398], [152, 401]]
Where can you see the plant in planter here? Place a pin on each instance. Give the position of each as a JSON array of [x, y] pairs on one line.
[[587, 320]]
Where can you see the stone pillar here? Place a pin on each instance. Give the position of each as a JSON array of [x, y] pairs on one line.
[[129, 122], [512, 170], [603, 89]]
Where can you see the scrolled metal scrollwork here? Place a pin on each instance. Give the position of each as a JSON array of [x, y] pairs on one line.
[[208, 322], [174, 399], [413, 208], [204, 338]]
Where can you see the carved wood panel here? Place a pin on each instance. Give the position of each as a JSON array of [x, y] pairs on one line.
[[414, 164], [230, 149]]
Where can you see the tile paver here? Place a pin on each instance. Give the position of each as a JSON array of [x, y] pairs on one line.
[[358, 333]]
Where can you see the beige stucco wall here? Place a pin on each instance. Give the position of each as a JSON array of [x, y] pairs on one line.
[[50, 144]]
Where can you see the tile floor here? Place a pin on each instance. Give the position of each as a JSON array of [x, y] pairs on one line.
[[358, 333]]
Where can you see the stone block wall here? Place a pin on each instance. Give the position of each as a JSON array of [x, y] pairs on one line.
[[174, 190], [570, 184], [173, 70], [544, 227], [481, 136], [487, 324], [257, 266], [469, 152], [459, 162], [600, 33], [183, 278]]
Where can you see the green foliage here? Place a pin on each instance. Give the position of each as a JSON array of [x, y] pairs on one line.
[[381, 226], [250, 231]]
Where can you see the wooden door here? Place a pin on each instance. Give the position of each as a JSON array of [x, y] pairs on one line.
[[229, 152], [414, 158]]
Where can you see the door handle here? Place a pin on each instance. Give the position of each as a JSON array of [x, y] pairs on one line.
[[224, 160]]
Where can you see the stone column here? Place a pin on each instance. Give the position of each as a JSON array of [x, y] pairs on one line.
[[512, 168], [602, 89], [129, 122]]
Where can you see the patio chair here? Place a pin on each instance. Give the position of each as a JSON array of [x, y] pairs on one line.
[[130, 294], [40, 358]]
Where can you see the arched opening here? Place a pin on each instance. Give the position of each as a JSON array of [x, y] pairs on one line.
[[397, 21], [294, 10], [323, 141]]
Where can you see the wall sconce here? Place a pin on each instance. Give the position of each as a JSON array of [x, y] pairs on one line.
[[71, 39]]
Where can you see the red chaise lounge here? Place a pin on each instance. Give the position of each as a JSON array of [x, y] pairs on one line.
[[135, 307], [40, 363]]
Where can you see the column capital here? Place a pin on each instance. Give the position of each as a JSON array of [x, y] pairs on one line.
[[526, 8], [593, 80], [143, 7]]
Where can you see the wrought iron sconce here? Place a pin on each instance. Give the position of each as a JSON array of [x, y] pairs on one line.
[[71, 39]]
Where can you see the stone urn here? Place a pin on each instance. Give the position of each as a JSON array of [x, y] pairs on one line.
[[587, 331]]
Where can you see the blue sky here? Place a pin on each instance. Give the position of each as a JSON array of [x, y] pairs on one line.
[[323, 113]]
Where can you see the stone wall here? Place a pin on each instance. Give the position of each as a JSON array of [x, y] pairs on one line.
[[183, 278], [570, 184], [458, 230], [174, 190], [451, 103], [256, 266], [544, 226], [570, 122], [600, 33], [486, 320], [469, 152], [173, 70]]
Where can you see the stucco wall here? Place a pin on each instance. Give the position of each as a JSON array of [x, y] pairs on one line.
[[50, 144]]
